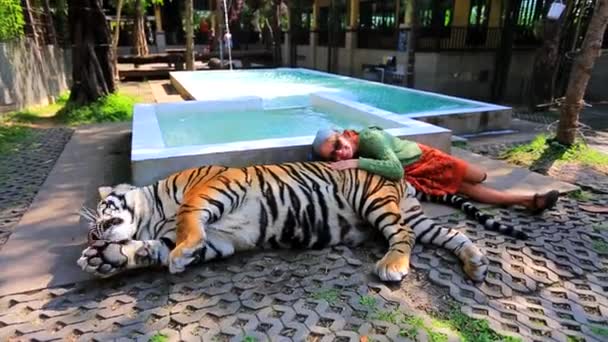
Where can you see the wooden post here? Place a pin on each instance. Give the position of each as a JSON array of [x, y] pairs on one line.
[[159, 19], [354, 14]]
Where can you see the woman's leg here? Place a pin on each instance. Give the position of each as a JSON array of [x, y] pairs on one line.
[[484, 194], [474, 174]]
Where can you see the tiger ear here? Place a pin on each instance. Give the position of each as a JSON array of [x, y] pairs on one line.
[[104, 191]]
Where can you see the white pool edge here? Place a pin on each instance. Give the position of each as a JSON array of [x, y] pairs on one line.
[[148, 143]]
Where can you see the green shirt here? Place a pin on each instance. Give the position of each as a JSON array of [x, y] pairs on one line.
[[384, 154]]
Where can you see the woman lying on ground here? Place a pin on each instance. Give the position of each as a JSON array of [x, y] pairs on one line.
[[428, 169]]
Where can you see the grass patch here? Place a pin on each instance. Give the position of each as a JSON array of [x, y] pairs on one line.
[[599, 331], [460, 144], [471, 329], [454, 322], [12, 136], [581, 195], [115, 107], [368, 301], [111, 108], [599, 228], [159, 338], [40, 113], [330, 295], [542, 150], [575, 339], [250, 339], [600, 246]]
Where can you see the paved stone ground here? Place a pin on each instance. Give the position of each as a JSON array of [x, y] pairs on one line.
[[22, 174], [552, 287], [548, 288]]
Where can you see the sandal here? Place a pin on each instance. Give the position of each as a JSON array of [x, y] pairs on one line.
[[550, 197]]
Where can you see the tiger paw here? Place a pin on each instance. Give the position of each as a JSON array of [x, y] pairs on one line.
[[477, 268], [179, 258], [104, 258], [394, 266]]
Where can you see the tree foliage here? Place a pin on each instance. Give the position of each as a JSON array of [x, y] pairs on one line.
[[11, 20]]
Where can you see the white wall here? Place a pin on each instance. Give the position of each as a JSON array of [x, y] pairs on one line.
[[29, 76]]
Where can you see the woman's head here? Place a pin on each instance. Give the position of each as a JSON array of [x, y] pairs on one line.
[[331, 144]]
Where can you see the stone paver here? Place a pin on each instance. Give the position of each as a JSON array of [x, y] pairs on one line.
[[22, 174]]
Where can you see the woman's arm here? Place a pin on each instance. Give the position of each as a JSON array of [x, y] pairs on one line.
[[377, 155], [386, 165]]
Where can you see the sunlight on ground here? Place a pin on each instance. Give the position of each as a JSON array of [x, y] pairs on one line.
[[541, 151], [115, 107], [438, 327]]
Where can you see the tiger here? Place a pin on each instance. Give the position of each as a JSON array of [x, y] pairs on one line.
[[212, 212]]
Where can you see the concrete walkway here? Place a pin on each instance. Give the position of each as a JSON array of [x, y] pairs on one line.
[[46, 243]]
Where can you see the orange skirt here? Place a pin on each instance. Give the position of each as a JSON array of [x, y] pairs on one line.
[[436, 173]]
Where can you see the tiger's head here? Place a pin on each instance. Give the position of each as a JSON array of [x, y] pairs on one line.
[[114, 218]]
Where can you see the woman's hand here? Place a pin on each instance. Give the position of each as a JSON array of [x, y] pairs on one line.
[[345, 164]]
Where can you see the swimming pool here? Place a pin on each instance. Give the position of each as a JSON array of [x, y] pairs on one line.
[[220, 127], [288, 87], [170, 137]]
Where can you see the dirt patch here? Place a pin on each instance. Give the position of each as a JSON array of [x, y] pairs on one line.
[[416, 289]]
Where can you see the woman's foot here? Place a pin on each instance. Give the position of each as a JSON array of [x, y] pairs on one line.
[[541, 202]]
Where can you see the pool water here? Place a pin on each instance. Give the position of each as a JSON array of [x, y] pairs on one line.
[[287, 88], [184, 129]]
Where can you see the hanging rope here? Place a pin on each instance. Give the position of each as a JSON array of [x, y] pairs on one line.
[[228, 35]]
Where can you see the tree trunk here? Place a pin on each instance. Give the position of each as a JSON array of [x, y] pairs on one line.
[[140, 45], [116, 38], [189, 36], [411, 42], [546, 62], [49, 22], [62, 22], [92, 71], [504, 52], [581, 72]]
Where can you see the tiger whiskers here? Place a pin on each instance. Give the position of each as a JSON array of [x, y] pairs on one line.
[[88, 213], [95, 232]]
